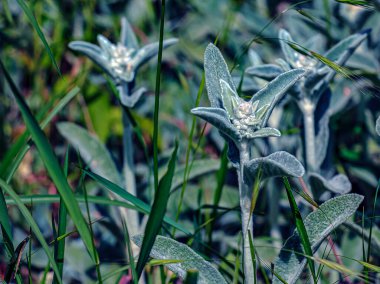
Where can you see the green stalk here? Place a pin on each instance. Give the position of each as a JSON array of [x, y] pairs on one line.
[[246, 219], [157, 97]]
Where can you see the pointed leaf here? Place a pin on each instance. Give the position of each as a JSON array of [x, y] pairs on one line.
[[166, 248], [92, 51], [92, 151], [322, 139], [157, 214], [319, 224], [219, 118], [106, 46], [29, 13], [339, 184], [128, 37], [229, 98], [277, 164], [290, 54], [265, 71], [151, 50], [276, 89], [215, 70], [130, 100], [52, 165], [266, 132], [351, 42]]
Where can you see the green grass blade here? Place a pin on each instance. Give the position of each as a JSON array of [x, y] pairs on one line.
[[29, 218], [130, 254], [28, 12], [157, 97], [253, 256], [51, 163], [133, 199], [59, 246], [6, 225], [300, 227], [156, 217], [21, 147]]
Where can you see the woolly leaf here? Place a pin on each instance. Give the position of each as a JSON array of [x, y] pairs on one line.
[[92, 51], [150, 50], [215, 70], [266, 132], [339, 184], [92, 151], [128, 37], [229, 98], [319, 224], [265, 71], [166, 248], [277, 164], [219, 118], [276, 89], [290, 54]]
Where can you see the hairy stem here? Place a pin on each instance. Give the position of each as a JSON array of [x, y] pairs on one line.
[[308, 108], [129, 167], [246, 218]]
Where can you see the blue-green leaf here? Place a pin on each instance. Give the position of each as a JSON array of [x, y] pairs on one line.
[[319, 224], [166, 248], [280, 163]]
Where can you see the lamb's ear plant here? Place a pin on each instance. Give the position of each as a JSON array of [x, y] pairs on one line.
[[120, 62], [239, 122]]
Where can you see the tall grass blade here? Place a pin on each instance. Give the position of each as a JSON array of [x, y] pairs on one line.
[[157, 97], [157, 214], [192, 276], [59, 246], [21, 146], [133, 199], [300, 227], [29, 218], [253, 256], [28, 12], [51, 162]]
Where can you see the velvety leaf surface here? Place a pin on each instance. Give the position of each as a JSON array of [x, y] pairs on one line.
[[277, 164], [319, 224], [275, 90], [215, 70], [166, 248], [92, 151], [92, 51], [219, 118], [339, 184], [290, 54]]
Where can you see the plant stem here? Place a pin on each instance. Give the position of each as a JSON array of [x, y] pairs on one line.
[[129, 167], [307, 108], [246, 219]]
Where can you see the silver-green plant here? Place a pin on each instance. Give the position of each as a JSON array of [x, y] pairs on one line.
[[121, 62], [239, 122], [312, 95]]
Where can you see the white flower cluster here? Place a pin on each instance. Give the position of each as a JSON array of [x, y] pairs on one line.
[[247, 119], [121, 61]]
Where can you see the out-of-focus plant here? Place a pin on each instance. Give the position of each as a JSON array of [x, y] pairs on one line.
[[120, 62], [239, 122]]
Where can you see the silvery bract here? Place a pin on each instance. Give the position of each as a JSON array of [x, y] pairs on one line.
[[121, 60]]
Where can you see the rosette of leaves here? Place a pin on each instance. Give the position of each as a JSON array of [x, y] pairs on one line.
[[313, 95], [121, 61], [239, 122]]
